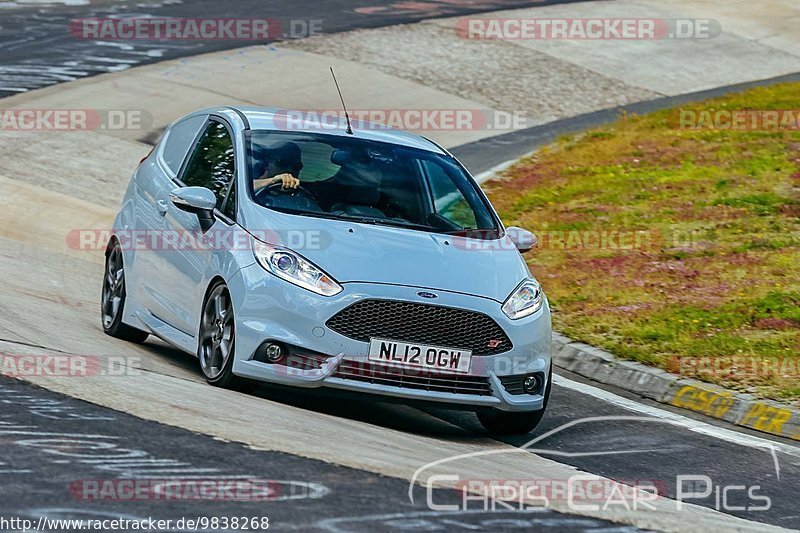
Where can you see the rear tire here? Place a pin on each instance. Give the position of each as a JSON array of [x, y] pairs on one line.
[[112, 299], [502, 423]]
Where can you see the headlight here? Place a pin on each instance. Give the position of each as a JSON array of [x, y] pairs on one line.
[[295, 268], [525, 300]]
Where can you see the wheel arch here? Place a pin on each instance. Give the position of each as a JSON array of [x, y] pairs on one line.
[[111, 242], [215, 280]]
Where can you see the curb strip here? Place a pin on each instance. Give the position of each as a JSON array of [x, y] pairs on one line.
[[738, 408]]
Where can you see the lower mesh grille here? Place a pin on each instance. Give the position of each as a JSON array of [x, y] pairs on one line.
[[412, 378], [305, 361]]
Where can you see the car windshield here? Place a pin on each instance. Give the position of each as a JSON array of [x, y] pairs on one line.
[[365, 181]]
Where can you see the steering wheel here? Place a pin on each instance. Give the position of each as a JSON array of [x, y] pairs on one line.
[[274, 195]]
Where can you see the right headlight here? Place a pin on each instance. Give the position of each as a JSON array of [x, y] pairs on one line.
[[525, 300], [294, 268]]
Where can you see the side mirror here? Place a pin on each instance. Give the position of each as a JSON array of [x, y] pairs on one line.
[[523, 239], [197, 200]]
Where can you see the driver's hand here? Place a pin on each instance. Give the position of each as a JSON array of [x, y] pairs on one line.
[[288, 181]]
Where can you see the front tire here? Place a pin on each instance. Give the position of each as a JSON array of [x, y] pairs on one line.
[[217, 338], [502, 423], [112, 300]]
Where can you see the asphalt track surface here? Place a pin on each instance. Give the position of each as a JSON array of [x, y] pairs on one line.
[[41, 431], [618, 443], [639, 445], [54, 446], [38, 50]]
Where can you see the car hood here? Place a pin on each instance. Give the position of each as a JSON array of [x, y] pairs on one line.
[[356, 252]]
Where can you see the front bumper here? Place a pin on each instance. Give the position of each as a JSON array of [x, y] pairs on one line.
[[268, 308]]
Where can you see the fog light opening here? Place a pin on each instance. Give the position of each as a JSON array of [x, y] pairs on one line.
[[273, 352], [530, 384]]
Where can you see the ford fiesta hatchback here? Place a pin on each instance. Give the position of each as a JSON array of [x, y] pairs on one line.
[[303, 254]]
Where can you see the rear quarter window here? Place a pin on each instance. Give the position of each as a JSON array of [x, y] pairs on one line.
[[178, 141]]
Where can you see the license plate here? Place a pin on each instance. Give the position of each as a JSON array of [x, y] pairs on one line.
[[433, 358]]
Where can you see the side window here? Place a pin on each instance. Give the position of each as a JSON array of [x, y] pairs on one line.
[[448, 201], [179, 141], [211, 164]]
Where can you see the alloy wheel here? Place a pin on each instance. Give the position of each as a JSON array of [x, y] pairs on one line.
[[216, 332], [113, 287]]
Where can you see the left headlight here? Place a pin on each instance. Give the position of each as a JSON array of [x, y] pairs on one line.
[[525, 300], [294, 268]]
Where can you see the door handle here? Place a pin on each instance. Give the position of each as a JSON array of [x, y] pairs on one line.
[[162, 207]]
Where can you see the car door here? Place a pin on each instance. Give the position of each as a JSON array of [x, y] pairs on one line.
[[154, 184], [185, 257]]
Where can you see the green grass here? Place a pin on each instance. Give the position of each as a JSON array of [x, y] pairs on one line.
[[717, 274]]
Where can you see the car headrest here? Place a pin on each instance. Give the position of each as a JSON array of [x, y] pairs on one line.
[[340, 157], [359, 185], [363, 195]]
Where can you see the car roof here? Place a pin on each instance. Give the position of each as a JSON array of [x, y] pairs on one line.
[[284, 119]]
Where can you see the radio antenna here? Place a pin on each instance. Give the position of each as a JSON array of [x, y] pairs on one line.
[[346, 116]]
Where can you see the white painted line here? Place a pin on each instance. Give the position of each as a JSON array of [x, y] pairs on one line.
[[691, 424], [13, 471], [485, 175], [62, 435]]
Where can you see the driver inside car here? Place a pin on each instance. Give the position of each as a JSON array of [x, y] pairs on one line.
[[354, 190], [283, 166]]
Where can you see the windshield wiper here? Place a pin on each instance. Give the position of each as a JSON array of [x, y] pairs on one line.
[[362, 219], [388, 222], [474, 233], [315, 214]]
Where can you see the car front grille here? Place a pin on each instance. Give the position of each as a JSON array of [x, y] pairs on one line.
[[412, 378], [412, 322]]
